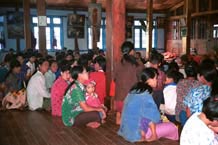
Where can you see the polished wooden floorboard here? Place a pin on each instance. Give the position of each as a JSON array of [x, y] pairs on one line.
[[40, 128]]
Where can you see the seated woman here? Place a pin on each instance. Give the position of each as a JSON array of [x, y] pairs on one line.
[[15, 97], [183, 88], [50, 76], [140, 118], [37, 95], [58, 89], [202, 127], [12, 80], [75, 111]]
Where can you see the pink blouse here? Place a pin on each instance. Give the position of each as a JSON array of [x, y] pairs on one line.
[[93, 101], [57, 94]]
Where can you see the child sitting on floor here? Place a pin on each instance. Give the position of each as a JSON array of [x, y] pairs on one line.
[[91, 97], [170, 95]]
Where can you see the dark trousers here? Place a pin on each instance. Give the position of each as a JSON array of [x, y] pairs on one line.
[[171, 118], [182, 117], [87, 117], [158, 97]]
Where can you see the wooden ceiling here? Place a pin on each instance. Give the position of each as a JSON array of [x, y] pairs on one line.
[[131, 5]]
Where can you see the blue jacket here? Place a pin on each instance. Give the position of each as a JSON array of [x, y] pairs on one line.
[[136, 107]]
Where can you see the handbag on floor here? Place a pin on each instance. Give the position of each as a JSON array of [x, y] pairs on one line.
[[15, 100]]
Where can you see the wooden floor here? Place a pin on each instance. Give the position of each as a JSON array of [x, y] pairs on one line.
[[40, 128]]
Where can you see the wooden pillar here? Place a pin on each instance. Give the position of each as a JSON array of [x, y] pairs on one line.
[[149, 26], [115, 36], [41, 11], [197, 6], [118, 32], [76, 44], [27, 29], [17, 39], [94, 41], [109, 53], [210, 6], [188, 6]]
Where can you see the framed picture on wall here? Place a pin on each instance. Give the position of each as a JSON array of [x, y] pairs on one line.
[[94, 20], [75, 26], [15, 25], [94, 15]]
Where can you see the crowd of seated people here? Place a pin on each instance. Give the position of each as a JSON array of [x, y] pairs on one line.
[[151, 96]]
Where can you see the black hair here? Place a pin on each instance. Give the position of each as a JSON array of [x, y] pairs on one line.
[[49, 57], [91, 53], [101, 61], [207, 70], [214, 87], [156, 58], [14, 63], [142, 85], [126, 48], [139, 53], [208, 61], [173, 66], [30, 54], [101, 51], [52, 61], [191, 69], [65, 67], [8, 57], [11, 50], [185, 58], [75, 71], [41, 61], [175, 75], [69, 52], [210, 108], [83, 60], [60, 58], [19, 54]]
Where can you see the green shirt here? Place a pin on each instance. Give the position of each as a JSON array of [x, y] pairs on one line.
[[71, 103]]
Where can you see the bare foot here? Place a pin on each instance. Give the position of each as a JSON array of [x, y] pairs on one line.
[[142, 136], [93, 124], [118, 118], [103, 121]]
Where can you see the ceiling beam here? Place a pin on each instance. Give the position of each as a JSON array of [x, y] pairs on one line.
[[177, 6]]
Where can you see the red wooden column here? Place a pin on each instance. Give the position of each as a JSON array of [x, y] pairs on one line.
[[188, 6], [41, 11], [94, 41], [27, 33], [115, 36], [118, 33], [109, 50], [149, 26]]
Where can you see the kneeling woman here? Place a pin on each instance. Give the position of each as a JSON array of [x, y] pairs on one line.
[[140, 119], [75, 111]]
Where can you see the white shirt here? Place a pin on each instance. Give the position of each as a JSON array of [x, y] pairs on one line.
[[50, 77], [196, 132], [31, 66], [170, 96], [36, 91]]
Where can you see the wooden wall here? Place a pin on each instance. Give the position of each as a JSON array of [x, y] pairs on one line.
[[203, 17]]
